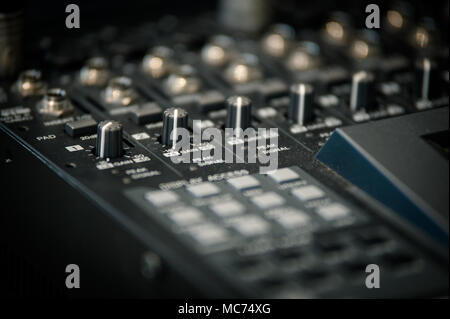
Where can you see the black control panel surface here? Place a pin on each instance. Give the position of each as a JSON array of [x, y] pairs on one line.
[[330, 99]]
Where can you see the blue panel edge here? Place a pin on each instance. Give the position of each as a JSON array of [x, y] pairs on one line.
[[346, 160]]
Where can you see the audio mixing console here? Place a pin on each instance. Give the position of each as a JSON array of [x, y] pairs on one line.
[[347, 129]]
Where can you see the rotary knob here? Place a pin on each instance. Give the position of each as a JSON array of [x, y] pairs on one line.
[[426, 80], [158, 62], [173, 119], [301, 104], [362, 96], [245, 69], [218, 51], [278, 40], [238, 112], [120, 91], [109, 139], [30, 83], [95, 72], [55, 103]]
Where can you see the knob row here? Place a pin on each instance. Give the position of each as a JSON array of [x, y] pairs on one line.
[[301, 109], [109, 133], [238, 117]]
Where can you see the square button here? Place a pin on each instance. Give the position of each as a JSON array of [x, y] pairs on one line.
[[284, 175], [148, 113], [161, 198], [74, 148], [228, 208], [81, 127], [266, 112], [186, 216], [308, 192], [210, 101], [293, 219], [203, 189], [333, 211], [202, 124], [268, 200], [244, 182], [209, 234], [250, 225]]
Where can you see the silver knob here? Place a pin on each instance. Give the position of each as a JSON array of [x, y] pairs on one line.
[[55, 103], [120, 91], [158, 62], [95, 72], [30, 83]]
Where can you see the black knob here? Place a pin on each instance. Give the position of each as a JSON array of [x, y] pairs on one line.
[[173, 119], [109, 139], [362, 96], [238, 112], [426, 80], [301, 105]]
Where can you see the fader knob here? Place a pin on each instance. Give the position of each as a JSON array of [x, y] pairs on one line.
[[362, 94], [109, 139], [173, 119], [301, 104], [238, 112]]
